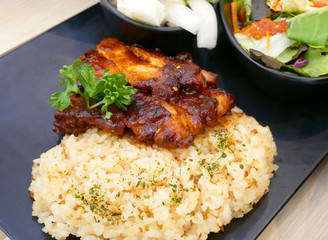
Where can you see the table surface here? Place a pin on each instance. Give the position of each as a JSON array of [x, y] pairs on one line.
[[305, 216]]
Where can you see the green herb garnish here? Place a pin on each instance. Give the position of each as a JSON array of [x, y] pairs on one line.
[[176, 199], [116, 214], [95, 200], [107, 90]]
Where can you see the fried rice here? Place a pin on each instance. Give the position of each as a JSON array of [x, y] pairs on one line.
[[100, 186]]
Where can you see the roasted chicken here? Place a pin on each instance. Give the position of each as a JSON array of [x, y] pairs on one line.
[[175, 101]]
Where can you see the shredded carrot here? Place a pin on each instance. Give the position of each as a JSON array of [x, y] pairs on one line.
[[234, 16], [268, 40], [319, 3], [275, 6]]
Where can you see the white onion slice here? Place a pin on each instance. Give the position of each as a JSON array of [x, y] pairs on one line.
[[146, 11], [181, 15], [208, 31]]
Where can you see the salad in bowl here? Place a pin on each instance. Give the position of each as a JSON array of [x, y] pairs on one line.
[[292, 36]]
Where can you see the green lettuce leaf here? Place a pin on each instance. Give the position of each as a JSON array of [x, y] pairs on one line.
[[292, 52], [317, 66], [310, 28], [288, 54]]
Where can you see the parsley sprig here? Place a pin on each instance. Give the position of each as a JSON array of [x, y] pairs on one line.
[[107, 90]]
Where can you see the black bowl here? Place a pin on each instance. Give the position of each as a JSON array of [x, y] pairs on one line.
[[273, 82], [170, 40]]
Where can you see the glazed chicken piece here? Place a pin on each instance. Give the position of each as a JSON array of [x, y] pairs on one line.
[[78, 119], [175, 98], [138, 72], [153, 70], [151, 122], [99, 62], [171, 124], [188, 74], [167, 124], [183, 63]]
